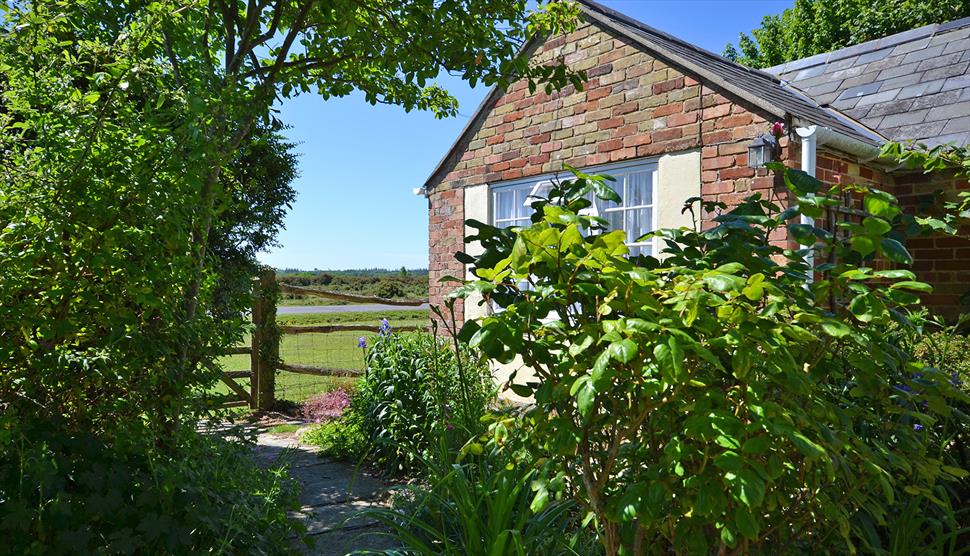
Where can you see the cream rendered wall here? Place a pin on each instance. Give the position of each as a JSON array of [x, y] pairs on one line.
[[678, 179], [476, 208], [477, 200]]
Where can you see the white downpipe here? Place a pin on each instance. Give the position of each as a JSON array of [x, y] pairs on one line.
[[809, 140]]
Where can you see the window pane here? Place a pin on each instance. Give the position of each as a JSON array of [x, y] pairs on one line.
[[638, 222], [615, 218], [639, 189], [641, 249], [503, 204], [539, 191]]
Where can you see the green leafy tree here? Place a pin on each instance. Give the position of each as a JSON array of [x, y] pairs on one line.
[[814, 26], [258, 194], [122, 127], [129, 139], [717, 400]]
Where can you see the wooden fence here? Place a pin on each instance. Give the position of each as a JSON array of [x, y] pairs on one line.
[[264, 351]]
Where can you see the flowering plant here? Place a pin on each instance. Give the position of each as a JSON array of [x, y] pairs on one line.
[[326, 406], [778, 130]]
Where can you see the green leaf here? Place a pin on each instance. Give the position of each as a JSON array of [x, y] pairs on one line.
[[835, 328], [804, 234], [521, 390], [746, 522], [724, 282], [863, 245], [806, 446], [921, 287], [623, 350], [585, 395], [895, 251], [876, 226], [880, 204], [677, 358], [863, 307], [752, 488], [895, 274], [756, 444]]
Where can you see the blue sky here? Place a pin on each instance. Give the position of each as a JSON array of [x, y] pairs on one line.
[[359, 163]]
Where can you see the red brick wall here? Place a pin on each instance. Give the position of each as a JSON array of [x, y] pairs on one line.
[[943, 261], [446, 217], [633, 106]]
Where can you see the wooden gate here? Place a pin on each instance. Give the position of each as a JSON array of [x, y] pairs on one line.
[[263, 351], [264, 347], [324, 329]]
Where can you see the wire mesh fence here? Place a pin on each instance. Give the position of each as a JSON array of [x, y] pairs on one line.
[[335, 350]]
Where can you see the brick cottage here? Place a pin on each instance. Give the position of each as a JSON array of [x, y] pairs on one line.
[[672, 121]]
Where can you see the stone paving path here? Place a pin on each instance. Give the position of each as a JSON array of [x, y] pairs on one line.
[[331, 493]]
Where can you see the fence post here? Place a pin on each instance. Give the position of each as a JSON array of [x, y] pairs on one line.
[[255, 344], [265, 349]]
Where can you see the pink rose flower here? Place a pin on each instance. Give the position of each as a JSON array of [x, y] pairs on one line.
[[778, 129]]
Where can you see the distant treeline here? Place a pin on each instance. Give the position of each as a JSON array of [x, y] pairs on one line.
[[354, 272], [380, 282]]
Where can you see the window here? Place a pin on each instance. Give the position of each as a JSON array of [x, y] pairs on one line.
[[635, 183]]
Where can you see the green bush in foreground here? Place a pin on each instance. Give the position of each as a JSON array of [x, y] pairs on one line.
[[473, 502], [416, 389], [340, 438], [76, 495], [718, 400]]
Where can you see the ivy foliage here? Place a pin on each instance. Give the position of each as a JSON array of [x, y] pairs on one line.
[[722, 397], [815, 26]]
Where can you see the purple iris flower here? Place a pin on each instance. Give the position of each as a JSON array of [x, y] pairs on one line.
[[385, 327], [362, 342]]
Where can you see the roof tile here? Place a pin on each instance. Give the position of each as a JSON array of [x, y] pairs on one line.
[[920, 89], [920, 55], [881, 96], [901, 81], [947, 71], [958, 138], [949, 112], [896, 71], [874, 56], [905, 118], [891, 107], [911, 46], [956, 82], [957, 46], [957, 125], [916, 131], [859, 91], [939, 61], [939, 99], [921, 74]]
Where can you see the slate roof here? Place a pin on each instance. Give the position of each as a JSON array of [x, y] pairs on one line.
[[913, 85], [762, 89]]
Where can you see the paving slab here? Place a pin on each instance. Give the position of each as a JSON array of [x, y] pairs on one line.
[[331, 494]]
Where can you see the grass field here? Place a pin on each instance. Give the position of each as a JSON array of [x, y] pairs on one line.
[[336, 350]]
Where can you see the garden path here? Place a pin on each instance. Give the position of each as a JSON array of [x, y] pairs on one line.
[[331, 492]]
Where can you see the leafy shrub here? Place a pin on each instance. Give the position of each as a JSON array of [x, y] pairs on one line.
[[76, 495], [478, 501], [719, 399], [340, 438], [415, 389], [325, 406]]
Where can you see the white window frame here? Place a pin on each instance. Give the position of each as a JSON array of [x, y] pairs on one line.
[[617, 170]]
